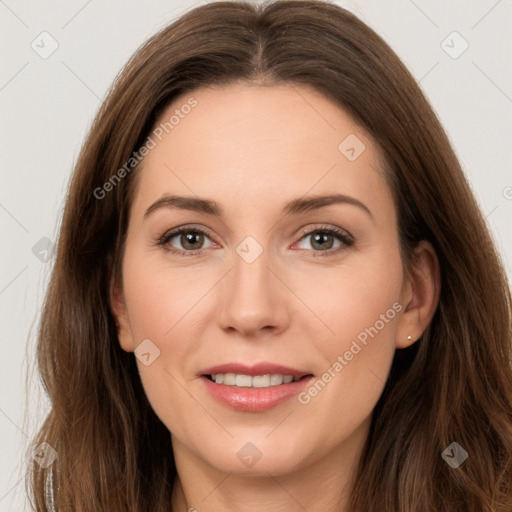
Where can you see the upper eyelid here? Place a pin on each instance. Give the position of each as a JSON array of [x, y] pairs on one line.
[[171, 233], [324, 227]]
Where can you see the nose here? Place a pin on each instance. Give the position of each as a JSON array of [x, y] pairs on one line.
[[253, 300]]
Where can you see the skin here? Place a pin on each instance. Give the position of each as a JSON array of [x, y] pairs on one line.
[[251, 149]]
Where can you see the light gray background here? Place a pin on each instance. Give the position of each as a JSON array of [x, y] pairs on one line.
[[48, 104]]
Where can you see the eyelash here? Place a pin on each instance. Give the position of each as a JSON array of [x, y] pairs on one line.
[[343, 236]]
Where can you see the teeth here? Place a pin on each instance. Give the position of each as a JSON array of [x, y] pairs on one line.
[[229, 379], [247, 381], [261, 381], [243, 381]]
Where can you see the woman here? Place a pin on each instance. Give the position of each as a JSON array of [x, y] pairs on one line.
[[273, 288]]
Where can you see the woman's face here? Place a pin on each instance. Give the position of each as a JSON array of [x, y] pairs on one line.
[[287, 264]]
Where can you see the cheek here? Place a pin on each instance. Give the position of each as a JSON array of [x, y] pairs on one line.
[[361, 308], [158, 296], [352, 296], [161, 302]]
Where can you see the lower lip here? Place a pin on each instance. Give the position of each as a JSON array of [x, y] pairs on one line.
[[254, 399]]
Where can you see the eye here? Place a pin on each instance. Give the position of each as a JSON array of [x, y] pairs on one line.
[[186, 240], [322, 241], [326, 239]]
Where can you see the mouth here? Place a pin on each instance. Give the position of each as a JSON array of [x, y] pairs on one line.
[[241, 380], [254, 388]]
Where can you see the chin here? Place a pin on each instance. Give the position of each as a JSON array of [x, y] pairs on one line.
[[257, 456]]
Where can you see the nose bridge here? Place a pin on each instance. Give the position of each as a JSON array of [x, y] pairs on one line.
[[250, 271], [251, 296]]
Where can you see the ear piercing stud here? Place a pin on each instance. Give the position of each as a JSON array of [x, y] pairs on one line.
[[409, 338]]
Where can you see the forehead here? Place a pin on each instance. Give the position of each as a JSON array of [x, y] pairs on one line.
[[258, 145]]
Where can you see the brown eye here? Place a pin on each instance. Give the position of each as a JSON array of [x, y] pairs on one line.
[[328, 240], [185, 241], [322, 241], [192, 240]]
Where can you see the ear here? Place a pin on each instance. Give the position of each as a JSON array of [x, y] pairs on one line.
[[420, 295], [120, 313]]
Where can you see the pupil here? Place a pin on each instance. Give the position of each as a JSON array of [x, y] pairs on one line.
[[191, 239], [320, 239]]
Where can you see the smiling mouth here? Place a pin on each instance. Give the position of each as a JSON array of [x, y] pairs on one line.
[[257, 381]]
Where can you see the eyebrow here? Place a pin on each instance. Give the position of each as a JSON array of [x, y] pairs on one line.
[[293, 207]]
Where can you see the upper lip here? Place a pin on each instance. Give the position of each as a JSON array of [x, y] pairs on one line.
[[263, 368]]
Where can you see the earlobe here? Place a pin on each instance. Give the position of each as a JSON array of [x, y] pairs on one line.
[[120, 314], [420, 295]]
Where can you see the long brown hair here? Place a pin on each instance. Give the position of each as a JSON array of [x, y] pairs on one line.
[[452, 385]]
